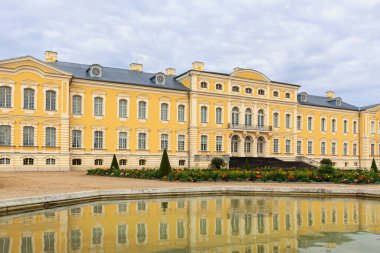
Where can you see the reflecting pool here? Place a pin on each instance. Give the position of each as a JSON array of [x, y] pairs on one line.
[[234, 224]]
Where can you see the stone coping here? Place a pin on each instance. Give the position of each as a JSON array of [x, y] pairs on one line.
[[20, 205]]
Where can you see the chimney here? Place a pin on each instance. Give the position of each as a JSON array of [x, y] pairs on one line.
[[136, 67], [170, 72], [197, 65], [51, 56], [330, 94]]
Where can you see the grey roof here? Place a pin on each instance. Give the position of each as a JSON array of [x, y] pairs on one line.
[[325, 102], [368, 107], [118, 75]]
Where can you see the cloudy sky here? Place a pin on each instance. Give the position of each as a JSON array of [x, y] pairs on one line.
[[320, 45]]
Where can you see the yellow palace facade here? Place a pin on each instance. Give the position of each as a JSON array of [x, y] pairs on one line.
[[61, 116]]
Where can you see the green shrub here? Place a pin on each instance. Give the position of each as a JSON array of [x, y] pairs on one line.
[[246, 164], [374, 166], [326, 169], [217, 163], [165, 167], [114, 164], [326, 161]]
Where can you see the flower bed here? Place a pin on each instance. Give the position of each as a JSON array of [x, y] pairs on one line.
[[261, 175]]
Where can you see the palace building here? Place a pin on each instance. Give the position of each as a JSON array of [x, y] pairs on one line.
[[61, 116]]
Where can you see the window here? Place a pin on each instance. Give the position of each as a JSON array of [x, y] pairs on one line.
[[50, 161], [28, 161], [219, 143], [234, 144], [275, 119], [181, 113], [181, 163], [333, 148], [180, 229], [26, 244], [372, 149], [275, 94], [28, 136], [141, 233], [50, 100], [123, 140], [50, 140], [287, 147], [98, 140], [235, 116], [163, 231], [164, 112], [28, 98], [203, 226], [323, 124], [235, 88], [354, 149], [76, 161], [299, 147], [248, 117], [5, 97], [260, 118], [76, 139], [248, 90], [247, 144], [287, 95], [181, 142], [275, 146], [333, 125], [372, 127], [5, 135], [5, 161], [122, 233], [142, 162], [96, 236], [142, 141], [355, 127], [204, 85], [288, 121], [4, 244], [309, 123], [142, 110], [261, 92], [77, 104], [123, 162], [98, 106], [98, 162], [218, 115], [123, 106], [299, 122], [219, 86], [345, 148], [310, 147], [164, 141], [345, 126], [203, 114], [323, 148], [204, 143]]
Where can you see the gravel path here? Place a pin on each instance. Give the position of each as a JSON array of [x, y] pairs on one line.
[[26, 184]]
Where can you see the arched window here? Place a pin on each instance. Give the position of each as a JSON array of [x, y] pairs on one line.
[[275, 94], [164, 141], [275, 119], [77, 104], [218, 116], [260, 118], [5, 135], [142, 110], [123, 140], [287, 95], [51, 98], [164, 112], [219, 86], [123, 108], [247, 144], [234, 144], [235, 88], [28, 161], [248, 117], [76, 161], [50, 161], [181, 113], [261, 92], [299, 122], [288, 121], [203, 114], [5, 96], [123, 162], [98, 106], [28, 98], [204, 85], [235, 116], [248, 90], [98, 162]]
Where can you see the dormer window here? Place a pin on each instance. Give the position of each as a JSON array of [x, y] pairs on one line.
[[338, 102], [248, 90], [261, 92], [303, 96], [219, 86], [235, 88], [95, 70], [204, 85], [160, 78]]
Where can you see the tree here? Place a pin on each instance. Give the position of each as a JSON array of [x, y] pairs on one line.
[[246, 164], [374, 166], [165, 167], [217, 163], [326, 161], [114, 164]]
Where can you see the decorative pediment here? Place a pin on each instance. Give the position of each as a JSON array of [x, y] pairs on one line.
[[249, 74]]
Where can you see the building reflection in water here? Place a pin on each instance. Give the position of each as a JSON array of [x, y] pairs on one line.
[[205, 224]]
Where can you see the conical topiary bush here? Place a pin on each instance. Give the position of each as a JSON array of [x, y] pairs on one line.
[[374, 166], [114, 164], [165, 168], [246, 164]]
